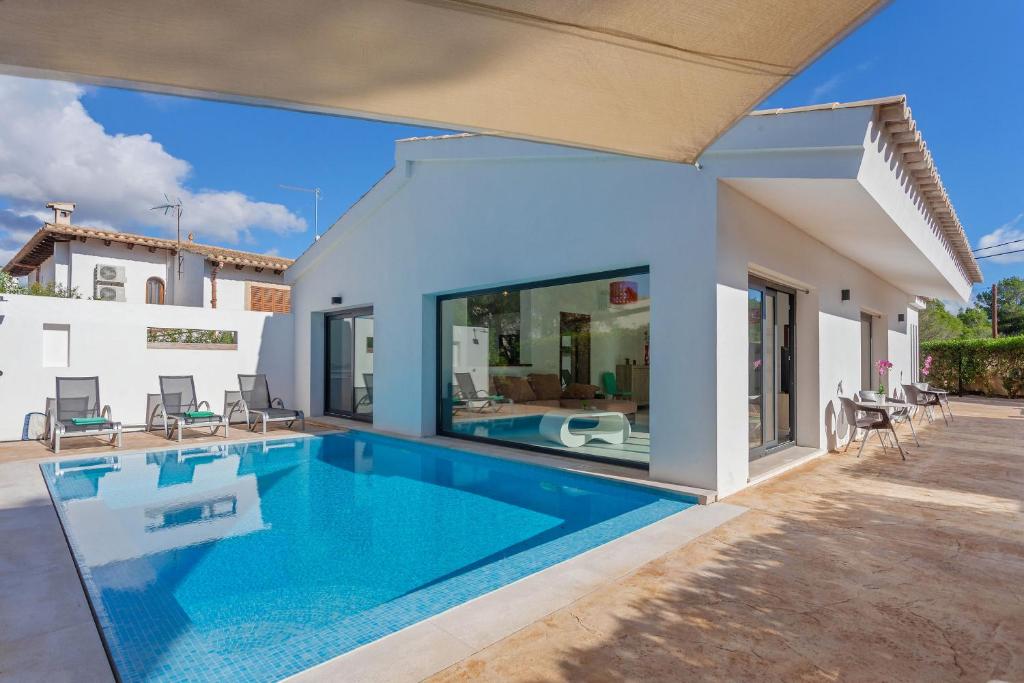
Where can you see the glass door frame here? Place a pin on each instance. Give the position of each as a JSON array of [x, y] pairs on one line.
[[352, 314], [768, 288]]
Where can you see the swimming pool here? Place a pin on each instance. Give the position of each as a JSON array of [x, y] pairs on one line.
[[255, 561]]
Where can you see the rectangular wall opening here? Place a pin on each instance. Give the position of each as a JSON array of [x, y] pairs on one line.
[[560, 366], [56, 345]]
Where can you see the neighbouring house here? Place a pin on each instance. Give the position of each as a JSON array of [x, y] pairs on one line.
[[119, 266], [697, 320]]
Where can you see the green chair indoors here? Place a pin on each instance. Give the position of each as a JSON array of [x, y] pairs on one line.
[[611, 386]]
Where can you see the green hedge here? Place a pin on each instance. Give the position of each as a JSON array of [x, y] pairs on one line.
[[957, 364]]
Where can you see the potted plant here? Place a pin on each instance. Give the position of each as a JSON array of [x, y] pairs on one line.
[[926, 370], [883, 367]]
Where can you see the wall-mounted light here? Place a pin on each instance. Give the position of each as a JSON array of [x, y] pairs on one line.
[[901, 317], [845, 295], [335, 300]]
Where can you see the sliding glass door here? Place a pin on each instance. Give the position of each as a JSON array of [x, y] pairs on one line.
[[348, 385], [770, 369]]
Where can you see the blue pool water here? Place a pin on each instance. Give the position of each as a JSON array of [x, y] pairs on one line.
[[256, 561]]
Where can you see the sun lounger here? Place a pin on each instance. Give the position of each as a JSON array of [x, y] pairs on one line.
[[179, 409], [259, 408], [77, 412]]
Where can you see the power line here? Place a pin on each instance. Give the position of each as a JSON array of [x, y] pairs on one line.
[[1005, 253], [998, 245]]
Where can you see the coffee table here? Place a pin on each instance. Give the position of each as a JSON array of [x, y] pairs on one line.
[[611, 427]]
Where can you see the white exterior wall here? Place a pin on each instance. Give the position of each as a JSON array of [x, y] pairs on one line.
[[530, 212], [109, 340], [231, 287], [139, 265], [470, 213], [827, 348]]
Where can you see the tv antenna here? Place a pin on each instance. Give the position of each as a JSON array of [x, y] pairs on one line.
[[175, 207], [317, 196]]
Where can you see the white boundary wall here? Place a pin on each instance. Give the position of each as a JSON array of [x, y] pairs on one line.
[[109, 340]]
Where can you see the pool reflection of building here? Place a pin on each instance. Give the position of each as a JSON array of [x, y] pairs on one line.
[[130, 507]]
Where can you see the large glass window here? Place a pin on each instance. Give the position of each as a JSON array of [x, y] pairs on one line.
[[770, 366], [562, 365], [348, 384]]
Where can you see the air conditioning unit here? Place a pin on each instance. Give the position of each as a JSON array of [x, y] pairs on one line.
[[109, 292], [109, 274]]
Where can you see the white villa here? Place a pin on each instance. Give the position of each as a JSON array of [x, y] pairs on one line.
[[109, 265], [698, 320]]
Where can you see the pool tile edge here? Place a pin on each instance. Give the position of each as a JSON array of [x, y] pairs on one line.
[[434, 644]]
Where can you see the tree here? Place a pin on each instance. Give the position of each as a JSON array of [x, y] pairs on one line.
[[976, 321], [1011, 305], [937, 323]]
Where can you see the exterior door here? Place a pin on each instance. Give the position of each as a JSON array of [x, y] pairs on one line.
[[771, 367], [866, 359], [348, 366]]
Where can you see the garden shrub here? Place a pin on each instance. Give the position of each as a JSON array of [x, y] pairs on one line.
[[959, 363]]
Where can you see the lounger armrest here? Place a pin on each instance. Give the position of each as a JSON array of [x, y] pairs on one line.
[[204, 403], [158, 411], [106, 413], [238, 406], [279, 403]]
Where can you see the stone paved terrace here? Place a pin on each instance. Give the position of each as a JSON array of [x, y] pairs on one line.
[[842, 569]]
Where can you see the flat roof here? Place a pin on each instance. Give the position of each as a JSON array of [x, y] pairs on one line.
[[893, 116]]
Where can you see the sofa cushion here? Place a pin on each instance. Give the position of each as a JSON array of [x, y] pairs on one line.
[[546, 387], [516, 389], [583, 391]]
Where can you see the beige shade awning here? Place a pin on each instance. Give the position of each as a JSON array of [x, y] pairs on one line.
[[653, 78]]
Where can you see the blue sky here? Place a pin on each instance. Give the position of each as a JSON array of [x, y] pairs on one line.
[[960, 65]]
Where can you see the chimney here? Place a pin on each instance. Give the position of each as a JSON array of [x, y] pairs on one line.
[[61, 212]]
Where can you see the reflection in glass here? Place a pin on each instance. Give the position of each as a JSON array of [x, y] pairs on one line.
[[349, 381], [755, 392], [563, 366]]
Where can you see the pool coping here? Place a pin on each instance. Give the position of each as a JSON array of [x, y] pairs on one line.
[[442, 640]]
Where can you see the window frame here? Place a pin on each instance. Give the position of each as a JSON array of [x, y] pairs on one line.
[[533, 284], [163, 290]]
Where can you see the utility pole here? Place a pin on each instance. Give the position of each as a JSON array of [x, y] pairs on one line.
[[995, 311]]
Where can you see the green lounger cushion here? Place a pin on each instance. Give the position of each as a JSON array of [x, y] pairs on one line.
[[84, 421], [199, 413]]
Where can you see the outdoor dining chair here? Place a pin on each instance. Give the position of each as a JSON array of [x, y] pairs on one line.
[[925, 400], [179, 409], [259, 408], [870, 420], [898, 415], [77, 412]]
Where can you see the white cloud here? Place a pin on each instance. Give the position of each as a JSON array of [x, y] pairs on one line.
[[823, 89], [51, 149], [834, 81], [1008, 232]]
